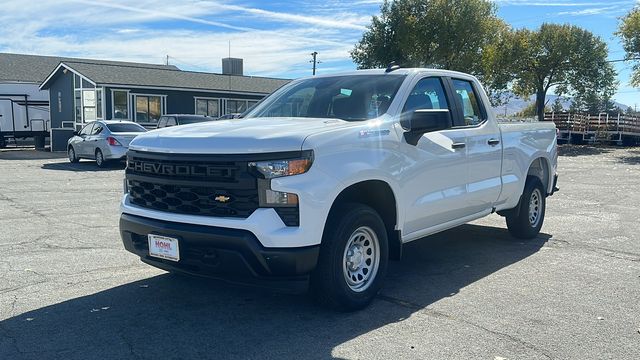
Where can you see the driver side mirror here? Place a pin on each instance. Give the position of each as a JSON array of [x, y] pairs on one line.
[[422, 121], [75, 133]]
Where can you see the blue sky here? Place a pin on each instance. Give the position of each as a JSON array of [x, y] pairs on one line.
[[274, 37]]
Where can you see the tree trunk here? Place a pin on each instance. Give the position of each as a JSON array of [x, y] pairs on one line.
[[540, 97]]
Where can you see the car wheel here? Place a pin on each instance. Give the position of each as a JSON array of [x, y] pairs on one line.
[[71, 152], [3, 142], [526, 221], [353, 258], [100, 161]]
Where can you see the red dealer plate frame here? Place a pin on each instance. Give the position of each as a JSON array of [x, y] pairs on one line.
[[164, 247]]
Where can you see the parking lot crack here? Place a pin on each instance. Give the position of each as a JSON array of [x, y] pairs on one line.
[[435, 313]]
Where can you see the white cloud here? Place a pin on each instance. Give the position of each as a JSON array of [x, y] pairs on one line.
[[194, 34], [591, 11]]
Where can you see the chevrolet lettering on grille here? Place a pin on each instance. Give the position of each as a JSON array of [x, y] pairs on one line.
[[177, 169]]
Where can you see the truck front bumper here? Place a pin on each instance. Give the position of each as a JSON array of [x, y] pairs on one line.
[[223, 253]]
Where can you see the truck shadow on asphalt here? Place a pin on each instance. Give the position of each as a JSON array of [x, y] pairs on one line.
[[83, 166], [170, 316]]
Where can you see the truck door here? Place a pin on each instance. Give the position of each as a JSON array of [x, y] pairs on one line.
[[484, 150], [435, 187]]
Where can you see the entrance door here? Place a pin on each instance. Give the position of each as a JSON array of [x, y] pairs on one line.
[[6, 116]]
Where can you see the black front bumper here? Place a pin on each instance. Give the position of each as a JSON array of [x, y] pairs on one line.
[[222, 253]]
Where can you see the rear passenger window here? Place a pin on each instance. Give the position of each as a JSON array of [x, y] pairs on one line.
[[427, 94], [469, 101], [171, 121], [97, 129]]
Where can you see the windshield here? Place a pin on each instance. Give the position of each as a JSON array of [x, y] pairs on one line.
[[117, 128], [351, 98]]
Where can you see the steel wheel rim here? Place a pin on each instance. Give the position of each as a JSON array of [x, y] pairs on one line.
[[535, 207], [72, 154], [361, 259], [99, 158]]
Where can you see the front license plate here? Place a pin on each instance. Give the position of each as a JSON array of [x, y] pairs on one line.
[[164, 247]]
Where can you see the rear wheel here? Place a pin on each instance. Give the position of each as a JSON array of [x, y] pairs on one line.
[[526, 221], [353, 258], [100, 161], [71, 152]]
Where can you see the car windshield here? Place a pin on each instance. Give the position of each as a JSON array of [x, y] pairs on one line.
[[351, 98], [117, 128], [193, 120]]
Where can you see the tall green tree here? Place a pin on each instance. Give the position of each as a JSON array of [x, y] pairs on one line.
[[449, 34], [629, 31], [569, 59]]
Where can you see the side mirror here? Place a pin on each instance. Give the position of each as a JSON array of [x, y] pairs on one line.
[[75, 133], [423, 121]]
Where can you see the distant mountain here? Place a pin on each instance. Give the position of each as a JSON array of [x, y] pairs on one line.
[[516, 104]]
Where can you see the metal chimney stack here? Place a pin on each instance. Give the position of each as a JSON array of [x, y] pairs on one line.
[[232, 66]]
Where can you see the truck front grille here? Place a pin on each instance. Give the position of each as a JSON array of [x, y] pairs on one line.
[[193, 200], [209, 185]]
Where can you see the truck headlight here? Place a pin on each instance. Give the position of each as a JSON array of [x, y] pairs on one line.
[[278, 168]]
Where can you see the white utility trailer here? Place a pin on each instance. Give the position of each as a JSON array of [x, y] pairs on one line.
[[24, 112]]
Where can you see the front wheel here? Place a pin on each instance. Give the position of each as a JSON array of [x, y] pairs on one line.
[[71, 152], [526, 222], [353, 258]]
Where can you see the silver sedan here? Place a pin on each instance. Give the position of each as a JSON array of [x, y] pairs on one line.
[[103, 141]]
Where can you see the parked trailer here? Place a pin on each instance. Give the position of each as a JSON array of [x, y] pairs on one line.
[[577, 128], [24, 112]]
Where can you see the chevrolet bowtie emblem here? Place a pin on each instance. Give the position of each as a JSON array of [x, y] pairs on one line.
[[222, 198]]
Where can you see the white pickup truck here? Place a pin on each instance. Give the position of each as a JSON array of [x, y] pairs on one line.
[[328, 177]]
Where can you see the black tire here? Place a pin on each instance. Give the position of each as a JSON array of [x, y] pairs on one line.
[[3, 142], [71, 153], [522, 223], [329, 282], [100, 161]]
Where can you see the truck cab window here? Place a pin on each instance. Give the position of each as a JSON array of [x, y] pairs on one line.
[[469, 101], [427, 94]]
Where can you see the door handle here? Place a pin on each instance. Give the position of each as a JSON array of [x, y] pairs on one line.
[[493, 142], [458, 145]]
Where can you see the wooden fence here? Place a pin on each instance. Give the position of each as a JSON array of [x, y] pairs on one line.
[[586, 128]]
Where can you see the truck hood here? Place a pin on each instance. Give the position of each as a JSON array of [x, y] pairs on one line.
[[234, 136]]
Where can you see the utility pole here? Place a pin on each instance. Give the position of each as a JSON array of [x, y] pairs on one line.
[[315, 61], [166, 62]]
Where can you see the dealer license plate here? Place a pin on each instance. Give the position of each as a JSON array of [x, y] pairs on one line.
[[164, 247]]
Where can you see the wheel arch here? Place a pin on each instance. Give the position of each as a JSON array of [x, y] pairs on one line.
[[540, 167], [361, 192]]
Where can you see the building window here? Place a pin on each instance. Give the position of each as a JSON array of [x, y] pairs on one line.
[[99, 114], [77, 101], [207, 107], [148, 108], [236, 106], [120, 104]]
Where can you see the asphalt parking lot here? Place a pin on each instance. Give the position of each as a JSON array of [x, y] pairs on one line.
[[68, 290]]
